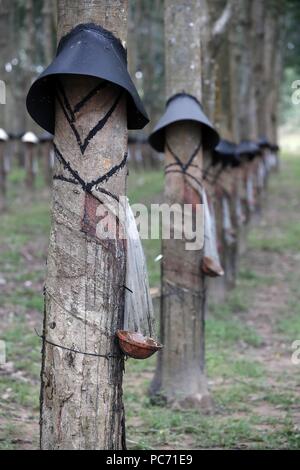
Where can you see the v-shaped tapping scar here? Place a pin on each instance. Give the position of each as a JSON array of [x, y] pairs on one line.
[[70, 113]]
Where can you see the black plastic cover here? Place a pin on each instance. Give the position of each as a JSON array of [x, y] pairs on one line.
[[91, 51], [183, 107]]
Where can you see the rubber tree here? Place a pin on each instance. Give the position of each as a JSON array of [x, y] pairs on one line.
[[180, 374], [46, 153], [30, 161], [5, 56], [229, 180], [47, 13], [235, 54], [81, 394], [246, 114], [272, 46], [216, 18], [234, 61], [258, 16]]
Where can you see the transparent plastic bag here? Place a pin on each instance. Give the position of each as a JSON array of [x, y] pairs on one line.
[[227, 223], [139, 314], [211, 261]]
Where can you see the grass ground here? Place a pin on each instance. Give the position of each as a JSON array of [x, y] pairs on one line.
[[253, 382]]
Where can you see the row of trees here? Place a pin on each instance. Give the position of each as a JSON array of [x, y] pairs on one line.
[[212, 54], [228, 54], [28, 38]]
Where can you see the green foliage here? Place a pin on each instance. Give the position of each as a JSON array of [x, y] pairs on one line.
[[144, 187], [292, 34], [19, 392], [289, 323]]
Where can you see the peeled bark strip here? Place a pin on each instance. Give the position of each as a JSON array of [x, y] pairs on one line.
[[81, 395], [180, 377]]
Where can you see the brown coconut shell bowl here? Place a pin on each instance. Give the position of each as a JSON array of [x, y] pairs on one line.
[[136, 345]]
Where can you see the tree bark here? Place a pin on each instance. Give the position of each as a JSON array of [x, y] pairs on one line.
[[277, 80], [180, 377], [229, 128], [247, 111], [234, 61], [275, 69], [4, 57], [81, 394], [258, 32], [46, 150], [268, 72], [48, 30], [2, 178], [30, 54], [208, 75], [215, 19], [30, 154]]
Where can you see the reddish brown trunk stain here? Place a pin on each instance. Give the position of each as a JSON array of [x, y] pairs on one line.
[[96, 219], [90, 217], [191, 196]]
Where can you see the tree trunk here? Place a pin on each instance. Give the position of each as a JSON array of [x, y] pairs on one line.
[[29, 166], [228, 62], [48, 30], [269, 42], [2, 178], [275, 71], [180, 377], [247, 111], [212, 39], [4, 56], [235, 53], [46, 151], [277, 80], [30, 54], [258, 32], [81, 394], [234, 61]]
